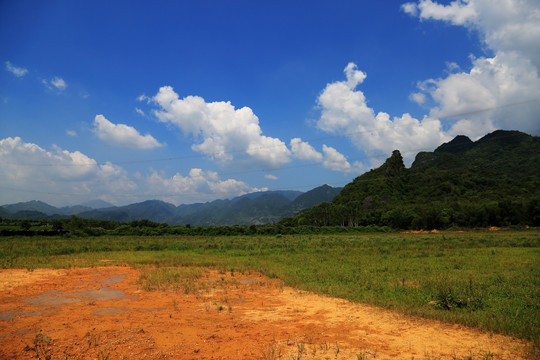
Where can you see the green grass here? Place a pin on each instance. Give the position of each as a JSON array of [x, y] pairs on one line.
[[166, 278], [487, 280]]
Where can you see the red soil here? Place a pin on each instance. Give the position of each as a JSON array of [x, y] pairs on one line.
[[92, 313]]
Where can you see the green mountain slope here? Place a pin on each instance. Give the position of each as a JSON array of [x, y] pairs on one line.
[[494, 181]]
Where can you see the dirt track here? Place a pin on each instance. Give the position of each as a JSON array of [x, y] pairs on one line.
[[92, 313]]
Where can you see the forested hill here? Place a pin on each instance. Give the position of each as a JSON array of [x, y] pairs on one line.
[[494, 181]]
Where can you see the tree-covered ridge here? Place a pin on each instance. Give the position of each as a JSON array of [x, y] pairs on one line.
[[494, 181]]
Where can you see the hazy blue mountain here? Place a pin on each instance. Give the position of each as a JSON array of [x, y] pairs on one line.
[[97, 204], [72, 210], [154, 210], [289, 194], [256, 208]]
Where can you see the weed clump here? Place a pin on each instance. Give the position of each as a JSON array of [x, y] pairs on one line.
[[160, 279], [450, 297]]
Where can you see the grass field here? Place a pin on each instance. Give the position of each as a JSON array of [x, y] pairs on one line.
[[485, 279]]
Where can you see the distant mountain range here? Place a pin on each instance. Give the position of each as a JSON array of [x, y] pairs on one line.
[[255, 208]]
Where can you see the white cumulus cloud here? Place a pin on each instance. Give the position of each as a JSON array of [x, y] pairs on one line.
[[15, 70], [219, 129], [304, 151], [458, 12], [56, 176], [418, 98], [344, 111], [335, 160], [508, 83], [123, 135]]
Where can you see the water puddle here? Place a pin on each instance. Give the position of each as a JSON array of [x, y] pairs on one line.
[[58, 298], [114, 279], [55, 298], [50, 298], [11, 314], [109, 311], [102, 294], [116, 310]]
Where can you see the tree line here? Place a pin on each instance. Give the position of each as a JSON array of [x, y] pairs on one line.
[[78, 227]]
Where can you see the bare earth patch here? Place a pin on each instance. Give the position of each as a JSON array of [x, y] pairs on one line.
[[99, 313]]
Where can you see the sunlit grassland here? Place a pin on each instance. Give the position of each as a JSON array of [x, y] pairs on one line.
[[488, 280]]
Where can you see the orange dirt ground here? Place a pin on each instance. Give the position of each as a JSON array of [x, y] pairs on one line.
[[102, 313]]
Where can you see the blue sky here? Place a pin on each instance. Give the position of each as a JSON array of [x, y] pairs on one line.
[[190, 101]]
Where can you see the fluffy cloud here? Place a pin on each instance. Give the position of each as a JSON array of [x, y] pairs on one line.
[[335, 160], [57, 175], [17, 71], [196, 186], [221, 131], [123, 135], [344, 111], [511, 29], [459, 12], [304, 151], [330, 158], [61, 177], [418, 98]]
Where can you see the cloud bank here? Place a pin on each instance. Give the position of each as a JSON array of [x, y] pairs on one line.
[[63, 177]]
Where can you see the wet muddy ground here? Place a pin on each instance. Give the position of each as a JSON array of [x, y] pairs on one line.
[[103, 313]]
